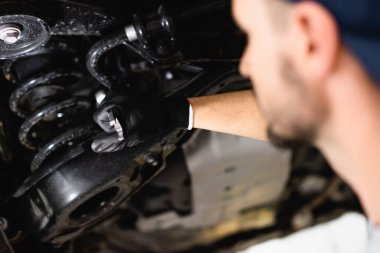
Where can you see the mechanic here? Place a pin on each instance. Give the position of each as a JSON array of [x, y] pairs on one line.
[[315, 68]]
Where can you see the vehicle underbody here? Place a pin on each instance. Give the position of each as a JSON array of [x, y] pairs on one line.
[[179, 191]]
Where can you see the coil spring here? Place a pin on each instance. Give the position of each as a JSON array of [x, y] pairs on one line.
[[49, 110]]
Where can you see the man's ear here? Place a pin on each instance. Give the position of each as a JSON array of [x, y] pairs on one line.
[[316, 40]]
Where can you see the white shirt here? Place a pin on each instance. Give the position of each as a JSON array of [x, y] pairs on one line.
[[373, 239]]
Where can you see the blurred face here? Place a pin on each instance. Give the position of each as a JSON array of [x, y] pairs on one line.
[[291, 106]]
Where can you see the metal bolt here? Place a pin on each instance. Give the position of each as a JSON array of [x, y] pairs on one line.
[[131, 33], [169, 75], [152, 159], [10, 33]]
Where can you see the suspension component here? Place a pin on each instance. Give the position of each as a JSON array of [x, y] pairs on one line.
[[10, 33], [155, 32], [66, 140], [21, 34], [49, 109], [152, 37]]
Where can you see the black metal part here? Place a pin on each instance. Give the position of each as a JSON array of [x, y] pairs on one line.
[[34, 34], [98, 50], [48, 108], [68, 139], [68, 18], [58, 113], [59, 215], [156, 32], [37, 91], [47, 170], [156, 36], [57, 55]]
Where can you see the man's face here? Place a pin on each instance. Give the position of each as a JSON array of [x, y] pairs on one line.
[[291, 106]]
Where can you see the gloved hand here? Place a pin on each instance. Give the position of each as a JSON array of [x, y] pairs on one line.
[[130, 120]]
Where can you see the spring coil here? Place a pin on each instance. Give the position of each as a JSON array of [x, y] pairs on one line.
[[51, 113]]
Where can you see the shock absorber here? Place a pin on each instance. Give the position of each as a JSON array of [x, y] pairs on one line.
[[52, 115]]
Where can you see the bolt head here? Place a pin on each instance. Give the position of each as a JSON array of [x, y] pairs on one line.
[[152, 159], [10, 33], [11, 37]]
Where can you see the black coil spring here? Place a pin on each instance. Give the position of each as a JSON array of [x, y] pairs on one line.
[[52, 114]]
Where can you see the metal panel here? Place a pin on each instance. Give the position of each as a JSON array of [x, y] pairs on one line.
[[229, 175]]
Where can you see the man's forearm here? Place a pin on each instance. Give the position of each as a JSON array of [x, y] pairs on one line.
[[233, 113]]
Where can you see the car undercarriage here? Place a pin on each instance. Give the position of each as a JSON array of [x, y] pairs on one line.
[[179, 191]]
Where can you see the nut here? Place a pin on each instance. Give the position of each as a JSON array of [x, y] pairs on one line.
[[10, 33]]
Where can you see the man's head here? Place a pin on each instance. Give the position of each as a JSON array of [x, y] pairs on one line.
[[293, 52]]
